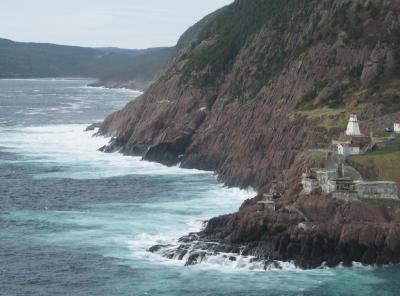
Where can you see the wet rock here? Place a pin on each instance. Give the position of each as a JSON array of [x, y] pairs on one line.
[[114, 145], [157, 248], [195, 258], [93, 126], [168, 153]]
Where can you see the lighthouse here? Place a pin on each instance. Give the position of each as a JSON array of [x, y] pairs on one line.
[[353, 128]]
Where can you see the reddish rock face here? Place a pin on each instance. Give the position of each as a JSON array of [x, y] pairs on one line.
[[246, 126], [263, 118], [312, 231]]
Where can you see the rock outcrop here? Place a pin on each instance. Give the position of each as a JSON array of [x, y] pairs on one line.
[[312, 232], [128, 84]]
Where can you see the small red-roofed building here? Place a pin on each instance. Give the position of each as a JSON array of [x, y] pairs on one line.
[[348, 149]]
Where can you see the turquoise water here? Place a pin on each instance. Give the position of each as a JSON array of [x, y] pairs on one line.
[[75, 221]]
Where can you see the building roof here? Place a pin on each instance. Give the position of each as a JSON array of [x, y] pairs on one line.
[[353, 145], [348, 145], [267, 202], [344, 180], [375, 182]]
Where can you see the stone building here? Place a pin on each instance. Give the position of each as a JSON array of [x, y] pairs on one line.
[[377, 189], [335, 184], [343, 188], [267, 203], [276, 191], [316, 181], [310, 184]]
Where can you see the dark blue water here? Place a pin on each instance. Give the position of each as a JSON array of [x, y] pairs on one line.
[[74, 221]]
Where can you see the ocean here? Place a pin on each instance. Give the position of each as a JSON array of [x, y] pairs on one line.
[[75, 221]]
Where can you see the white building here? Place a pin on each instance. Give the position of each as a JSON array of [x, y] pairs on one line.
[[348, 149], [396, 128], [353, 128]]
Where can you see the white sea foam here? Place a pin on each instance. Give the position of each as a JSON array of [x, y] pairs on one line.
[[70, 145], [213, 202], [76, 151], [143, 225], [105, 90]]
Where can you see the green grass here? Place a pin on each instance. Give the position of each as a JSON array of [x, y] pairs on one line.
[[386, 164], [317, 154], [382, 134], [321, 112], [331, 117], [339, 122], [380, 153]]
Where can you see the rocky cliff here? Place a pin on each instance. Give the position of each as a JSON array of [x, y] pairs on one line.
[[263, 81], [254, 93]]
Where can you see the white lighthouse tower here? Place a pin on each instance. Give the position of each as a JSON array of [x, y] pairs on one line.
[[353, 128]]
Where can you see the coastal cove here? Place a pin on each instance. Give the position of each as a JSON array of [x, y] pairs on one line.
[[75, 220]]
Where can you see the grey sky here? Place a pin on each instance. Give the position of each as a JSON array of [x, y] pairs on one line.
[[122, 23]]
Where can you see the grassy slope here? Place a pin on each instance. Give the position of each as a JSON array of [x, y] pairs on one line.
[[385, 164]]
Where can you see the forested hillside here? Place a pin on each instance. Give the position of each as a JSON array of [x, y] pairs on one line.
[[33, 60]]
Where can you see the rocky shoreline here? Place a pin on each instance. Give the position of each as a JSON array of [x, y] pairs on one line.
[[192, 250], [130, 84], [314, 231]]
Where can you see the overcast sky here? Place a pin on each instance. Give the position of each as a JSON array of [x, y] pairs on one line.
[[122, 23]]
